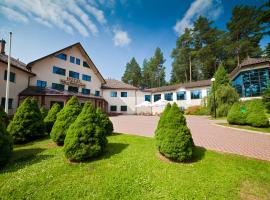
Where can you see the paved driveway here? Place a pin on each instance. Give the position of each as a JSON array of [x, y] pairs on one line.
[[204, 134]]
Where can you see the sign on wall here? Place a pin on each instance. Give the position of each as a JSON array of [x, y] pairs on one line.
[[72, 82]]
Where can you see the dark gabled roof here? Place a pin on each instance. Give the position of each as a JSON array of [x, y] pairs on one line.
[[202, 83], [248, 62], [15, 63], [78, 44], [115, 84]]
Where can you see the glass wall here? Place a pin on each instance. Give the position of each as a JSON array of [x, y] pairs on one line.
[[251, 83]]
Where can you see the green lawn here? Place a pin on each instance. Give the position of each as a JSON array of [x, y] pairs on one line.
[[130, 169], [245, 127]]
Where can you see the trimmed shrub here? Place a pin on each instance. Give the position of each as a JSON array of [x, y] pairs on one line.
[[51, 117], [44, 112], [64, 119], [4, 117], [27, 123], [104, 121], [85, 137], [6, 145], [266, 98], [174, 139], [238, 114]]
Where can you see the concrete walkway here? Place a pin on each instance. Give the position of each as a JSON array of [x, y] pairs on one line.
[[204, 134]]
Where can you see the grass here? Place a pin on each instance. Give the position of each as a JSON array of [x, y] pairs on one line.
[[131, 169], [246, 127]]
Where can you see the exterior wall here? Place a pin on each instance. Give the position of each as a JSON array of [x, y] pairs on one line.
[[21, 82]]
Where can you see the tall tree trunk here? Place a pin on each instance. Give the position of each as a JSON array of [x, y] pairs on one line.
[[190, 72]]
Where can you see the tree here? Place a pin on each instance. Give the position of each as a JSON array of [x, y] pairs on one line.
[[50, 119], [85, 137], [64, 119], [266, 98], [132, 73], [4, 117], [6, 144], [43, 112], [104, 121], [27, 123], [264, 16], [146, 74]]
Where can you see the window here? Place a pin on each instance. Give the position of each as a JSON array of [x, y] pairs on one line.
[[157, 97], [72, 59], [3, 101], [58, 86], [61, 103], [124, 94], [85, 91], [86, 77], [12, 76], [147, 98], [207, 91], [168, 96], [123, 108], [62, 56], [181, 95], [85, 64], [196, 94], [74, 74], [78, 61], [42, 84], [113, 93], [73, 89], [97, 93], [58, 70], [113, 108]]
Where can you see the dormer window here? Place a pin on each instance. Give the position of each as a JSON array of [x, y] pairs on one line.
[[85, 64], [62, 56]]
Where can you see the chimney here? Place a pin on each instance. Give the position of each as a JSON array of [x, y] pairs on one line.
[[2, 46]]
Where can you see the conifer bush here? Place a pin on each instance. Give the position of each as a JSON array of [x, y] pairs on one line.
[[105, 121], [51, 117], [85, 137], [174, 139], [4, 117], [266, 98], [238, 114], [27, 123], [43, 112], [64, 119]]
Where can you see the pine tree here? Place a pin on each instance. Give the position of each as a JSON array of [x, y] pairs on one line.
[[51, 117], [43, 112], [104, 121], [6, 144], [27, 123], [85, 137], [132, 73], [64, 119]]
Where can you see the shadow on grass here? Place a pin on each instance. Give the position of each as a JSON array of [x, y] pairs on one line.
[[32, 142], [24, 157]]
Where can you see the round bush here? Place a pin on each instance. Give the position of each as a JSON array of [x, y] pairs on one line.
[[6, 144], [256, 114], [104, 121], [27, 123], [238, 114], [51, 117], [85, 137], [64, 119]]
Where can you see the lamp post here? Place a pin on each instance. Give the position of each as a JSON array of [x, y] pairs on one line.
[[8, 75], [215, 110]]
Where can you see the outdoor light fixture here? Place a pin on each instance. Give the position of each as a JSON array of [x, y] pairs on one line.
[[213, 81]]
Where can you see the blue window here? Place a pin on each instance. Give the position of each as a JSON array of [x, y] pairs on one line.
[[113, 93], [58, 86], [58, 70], [12, 76], [124, 94], [62, 56], [97, 93], [72, 59], [73, 89], [168, 96], [181, 95], [147, 98], [78, 61], [196, 94], [74, 74], [86, 77], [3, 101], [157, 97], [85, 64], [85, 91], [42, 84]]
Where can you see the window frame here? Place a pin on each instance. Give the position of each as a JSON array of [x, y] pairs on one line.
[[113, 92], [178, 95], [192, 96], [58, 84], [123, 110], [155, 97], [124, 96], [111, 106], [78, 61], [10, 103], [60, 56], [76, 91], [85, 89], [72, 58], [72, 72], [146, 99], [59, 70], [84, 77], [12, 77], [97, 93], [166, 95], [43, 84]]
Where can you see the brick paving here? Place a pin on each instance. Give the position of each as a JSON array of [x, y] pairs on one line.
[[204, 134]]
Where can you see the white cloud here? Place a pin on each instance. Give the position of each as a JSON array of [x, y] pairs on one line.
[[120, 38], [209, 8], [13, 15]]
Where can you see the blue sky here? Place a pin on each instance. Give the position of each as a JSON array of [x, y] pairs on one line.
[[111, 31]]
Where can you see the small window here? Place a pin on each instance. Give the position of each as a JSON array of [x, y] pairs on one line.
[[74, 74], [86, 77], [85, 64], [124, 94], [123, 108], [62, 56], [85, 91], [181, 95], [58, 70], [58, 86], [113, 108], [168, 96], [61, 103], [72, 59], [12, 76], [196, 94], [78, 61], [157, 97], [147, 98], [113, 93], [42, 84], [3, 101], [97, 93], [73, 89]]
